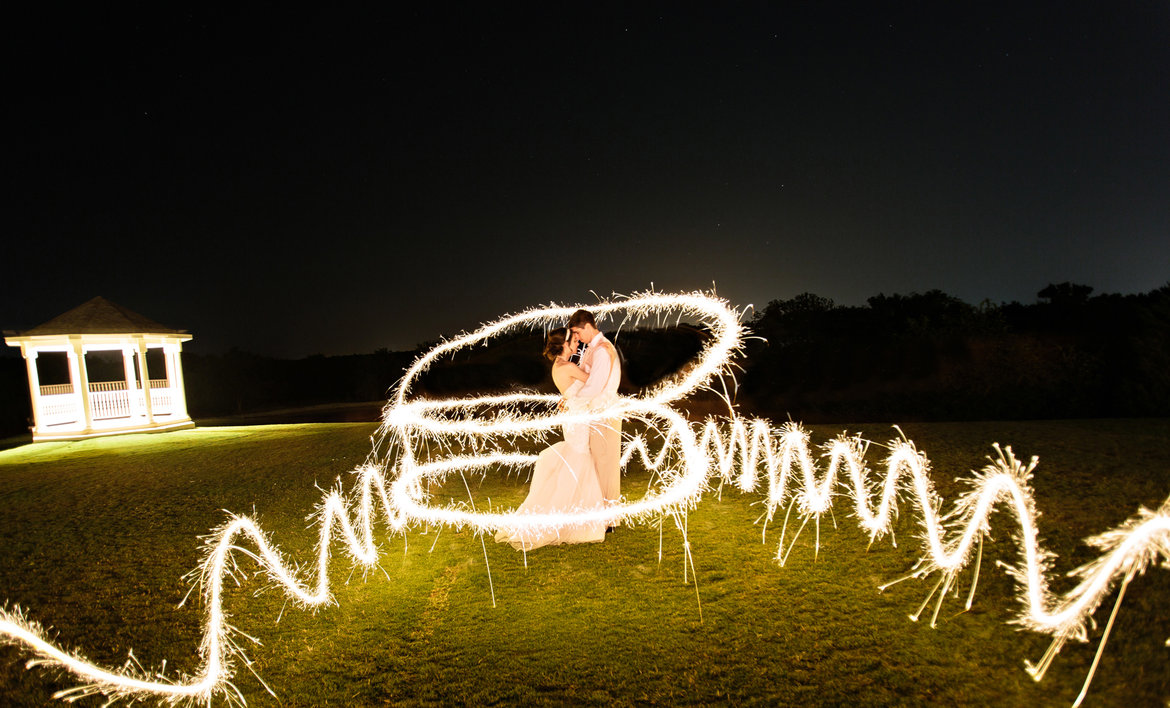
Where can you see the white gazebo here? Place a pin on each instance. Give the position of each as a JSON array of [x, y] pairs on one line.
[[134, 399]]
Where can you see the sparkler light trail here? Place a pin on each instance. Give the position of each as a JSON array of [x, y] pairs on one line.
[[414, 427], [421, 441]]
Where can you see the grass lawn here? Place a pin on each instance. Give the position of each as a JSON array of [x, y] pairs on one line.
[[95, 537]]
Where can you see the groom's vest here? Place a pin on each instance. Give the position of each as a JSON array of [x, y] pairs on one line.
[[609, 394]]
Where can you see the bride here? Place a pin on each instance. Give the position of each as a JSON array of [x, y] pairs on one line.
[[564, 478]]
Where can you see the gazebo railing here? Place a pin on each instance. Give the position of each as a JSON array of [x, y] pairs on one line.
[[107, 399], [103, 386], [60, 408], [161, 398]]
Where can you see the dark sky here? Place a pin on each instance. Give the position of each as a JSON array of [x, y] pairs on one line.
[[297, 182]]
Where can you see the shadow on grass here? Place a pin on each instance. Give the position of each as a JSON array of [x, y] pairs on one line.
[[15, 441]]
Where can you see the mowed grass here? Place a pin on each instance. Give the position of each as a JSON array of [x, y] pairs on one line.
[[95, 537]]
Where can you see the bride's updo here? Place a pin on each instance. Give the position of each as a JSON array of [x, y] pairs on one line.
[[555, 344]]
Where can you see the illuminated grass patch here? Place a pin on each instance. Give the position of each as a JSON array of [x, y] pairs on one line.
[[96, 538]]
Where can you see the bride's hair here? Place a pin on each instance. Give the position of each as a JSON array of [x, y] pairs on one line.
[[555, 344]]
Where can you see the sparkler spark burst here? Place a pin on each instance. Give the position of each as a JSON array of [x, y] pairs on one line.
[[422, 441]]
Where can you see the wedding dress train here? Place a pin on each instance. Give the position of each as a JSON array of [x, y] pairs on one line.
[[564, 479]]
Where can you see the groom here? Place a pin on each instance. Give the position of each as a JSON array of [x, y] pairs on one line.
[[600, 361]]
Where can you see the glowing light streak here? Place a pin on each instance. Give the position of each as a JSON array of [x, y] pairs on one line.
[[416, 444], [948, 539], [484, 423]]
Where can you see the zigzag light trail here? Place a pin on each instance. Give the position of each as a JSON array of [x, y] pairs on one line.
[[950, 539], [413, 448]]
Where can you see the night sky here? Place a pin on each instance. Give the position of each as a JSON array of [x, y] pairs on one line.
[[292, 183]]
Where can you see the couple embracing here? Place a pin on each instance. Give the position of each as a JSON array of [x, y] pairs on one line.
[[582, 471]]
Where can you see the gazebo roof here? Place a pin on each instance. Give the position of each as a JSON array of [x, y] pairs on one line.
[[100, 316]]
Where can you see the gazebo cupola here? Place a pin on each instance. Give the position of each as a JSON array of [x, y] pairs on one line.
[[101, 369]]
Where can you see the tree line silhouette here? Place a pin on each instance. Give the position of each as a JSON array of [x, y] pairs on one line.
[[922, 356], [931, 356]]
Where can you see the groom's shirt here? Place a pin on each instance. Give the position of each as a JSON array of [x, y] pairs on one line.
[[600, 364]]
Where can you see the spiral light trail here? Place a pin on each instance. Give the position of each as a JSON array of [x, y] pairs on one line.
[[417, 442]]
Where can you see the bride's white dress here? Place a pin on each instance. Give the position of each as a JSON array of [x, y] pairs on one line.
[[563, 480]]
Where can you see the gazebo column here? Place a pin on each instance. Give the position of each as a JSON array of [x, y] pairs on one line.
[[79, 376], [144, 371], [34, 386], [175, 381], [131, 385]]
